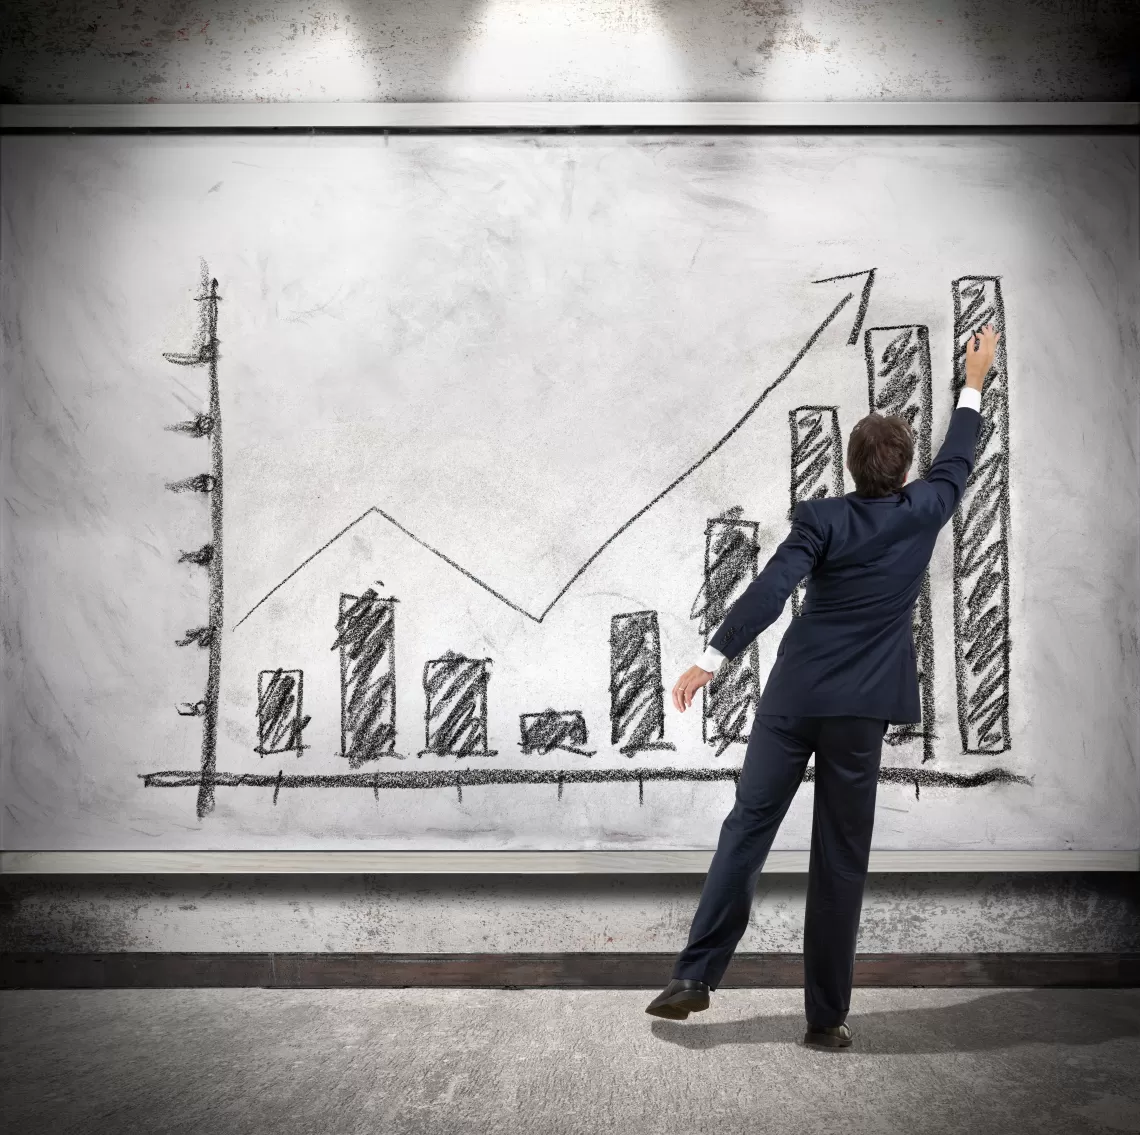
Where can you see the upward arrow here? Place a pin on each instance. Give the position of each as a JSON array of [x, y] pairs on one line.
[[852, 339]]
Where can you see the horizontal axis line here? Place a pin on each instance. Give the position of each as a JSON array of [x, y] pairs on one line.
[[475, 777]]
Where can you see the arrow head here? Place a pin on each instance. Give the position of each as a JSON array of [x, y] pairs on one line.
[[864, 300]]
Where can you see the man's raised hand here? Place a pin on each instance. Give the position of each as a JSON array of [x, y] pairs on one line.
[[980, 349]]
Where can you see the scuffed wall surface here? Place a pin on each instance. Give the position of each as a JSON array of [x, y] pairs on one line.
[[576, 50], [460, 914]]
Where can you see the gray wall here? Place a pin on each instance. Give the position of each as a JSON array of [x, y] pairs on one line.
[[578, 50], [557, 913]]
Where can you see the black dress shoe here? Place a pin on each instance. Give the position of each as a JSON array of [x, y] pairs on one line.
[[679, 998], [837, 1037]]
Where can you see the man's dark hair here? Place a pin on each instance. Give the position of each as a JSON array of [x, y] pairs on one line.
[[879, 453]]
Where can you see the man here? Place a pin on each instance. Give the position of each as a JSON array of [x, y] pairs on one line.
[[844, 672]]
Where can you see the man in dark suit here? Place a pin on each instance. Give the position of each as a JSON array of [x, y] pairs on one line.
[[844, 671]]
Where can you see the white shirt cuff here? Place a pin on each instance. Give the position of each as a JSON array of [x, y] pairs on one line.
[[711, 659], [970, 398]]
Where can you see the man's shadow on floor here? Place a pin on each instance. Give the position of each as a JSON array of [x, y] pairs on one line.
[[994, 1021]]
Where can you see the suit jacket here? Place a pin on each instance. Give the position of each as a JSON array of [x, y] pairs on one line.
[[851, 650]]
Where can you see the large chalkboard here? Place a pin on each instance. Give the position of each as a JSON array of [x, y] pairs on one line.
[[367, 491]]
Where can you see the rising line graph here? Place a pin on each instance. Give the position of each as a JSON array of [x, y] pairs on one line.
[[538, 617]]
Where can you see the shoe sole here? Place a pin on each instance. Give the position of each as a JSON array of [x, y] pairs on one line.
[[678, 1007], [823, 1040]]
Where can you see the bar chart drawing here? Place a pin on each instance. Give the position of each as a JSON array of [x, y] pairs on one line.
[[637, 695], [456, 687], [817, 464], [552, 729], [280, 711], [366, 641], [981, 536], [899, 383], [455, 718], [731, 555]]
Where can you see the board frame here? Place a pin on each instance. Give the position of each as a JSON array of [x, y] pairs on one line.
[[527, 862], [969, 116], [379, 117]]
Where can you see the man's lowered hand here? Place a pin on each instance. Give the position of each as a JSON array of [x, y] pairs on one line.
[[688, 684]]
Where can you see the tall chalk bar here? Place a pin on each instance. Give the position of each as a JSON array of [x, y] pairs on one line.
[[981, 535], [817, 463], [637, 695], [731, 554], [899, 383], [366, 638]]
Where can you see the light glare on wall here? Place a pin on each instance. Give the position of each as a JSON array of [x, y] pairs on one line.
[[566, 49]]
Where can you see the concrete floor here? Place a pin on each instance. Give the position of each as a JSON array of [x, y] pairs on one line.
[[386, 1062]]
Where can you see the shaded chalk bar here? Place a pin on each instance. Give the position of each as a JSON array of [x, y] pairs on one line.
[[817, 463], [366, 638], [637, 696], [455, 717], [731, 553], [981, 535], [554, 729], [899, 383], [280, 711]]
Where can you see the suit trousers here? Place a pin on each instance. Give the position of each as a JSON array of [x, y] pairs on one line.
[[847, 753]]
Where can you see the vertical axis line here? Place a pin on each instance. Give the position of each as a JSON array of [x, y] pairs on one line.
[[214, 672]]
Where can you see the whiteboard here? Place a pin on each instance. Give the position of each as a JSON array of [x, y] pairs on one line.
[[487, 412]]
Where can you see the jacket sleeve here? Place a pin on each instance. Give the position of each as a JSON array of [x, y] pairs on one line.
[[942, 488], [763, 600]]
